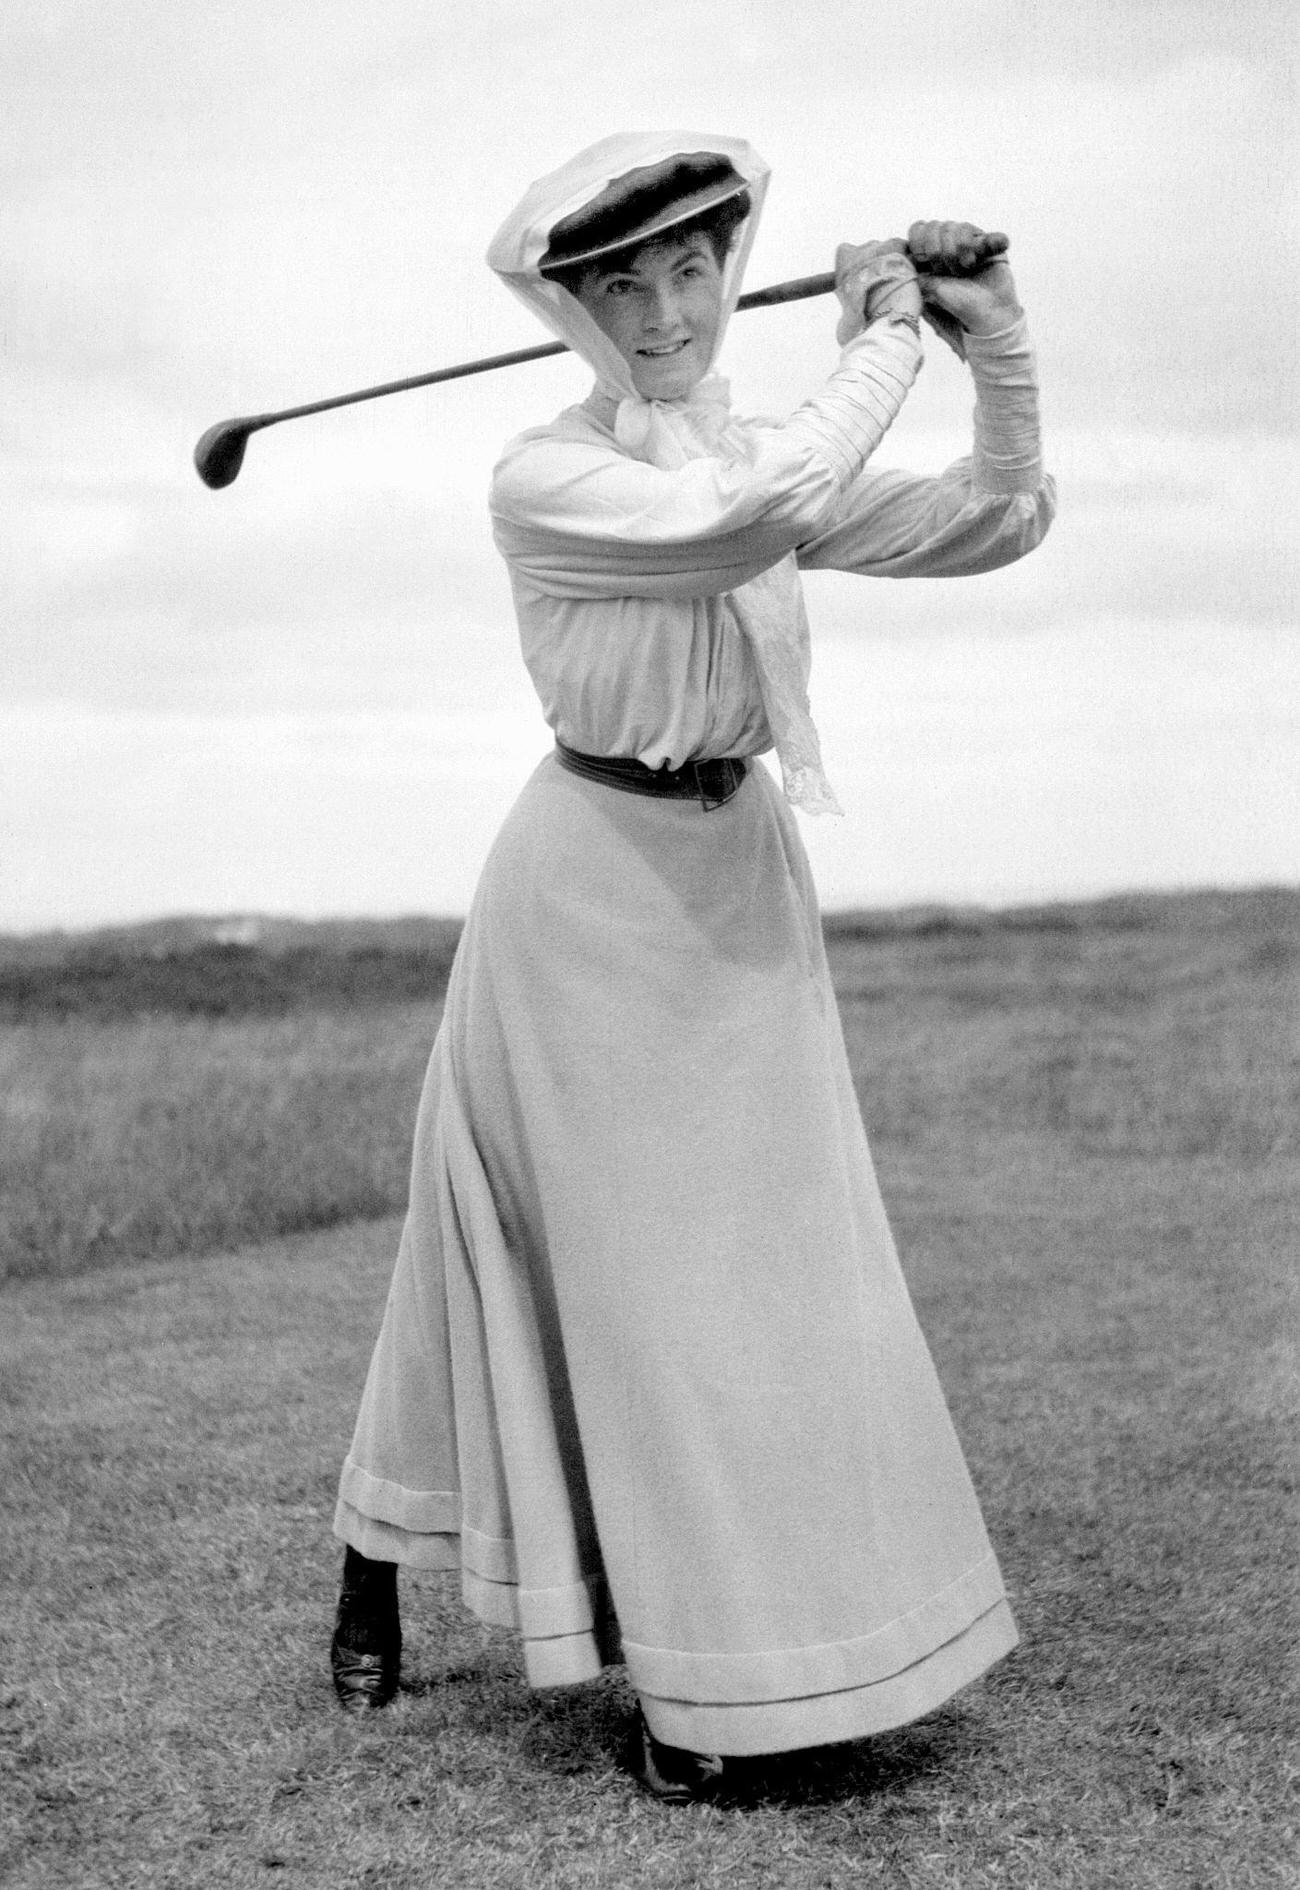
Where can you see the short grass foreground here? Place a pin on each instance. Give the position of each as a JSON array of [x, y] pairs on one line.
[[1087, 1136]]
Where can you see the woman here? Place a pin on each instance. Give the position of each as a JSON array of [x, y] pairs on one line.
[[649, 1375]]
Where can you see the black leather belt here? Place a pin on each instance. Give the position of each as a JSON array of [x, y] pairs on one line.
[[711, 783]]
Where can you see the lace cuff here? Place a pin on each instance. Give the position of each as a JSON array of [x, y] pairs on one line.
[[848, 419], [1007, 453]]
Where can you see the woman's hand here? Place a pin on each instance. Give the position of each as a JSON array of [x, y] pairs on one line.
[[875, 282], [966, 282]]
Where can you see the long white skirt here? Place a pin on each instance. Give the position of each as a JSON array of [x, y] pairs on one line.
[[649, 1372]]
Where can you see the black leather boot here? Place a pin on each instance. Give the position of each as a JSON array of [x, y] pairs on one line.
[[366, 1651]]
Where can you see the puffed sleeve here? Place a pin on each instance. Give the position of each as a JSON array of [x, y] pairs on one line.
[[576, 517], [984, 511]]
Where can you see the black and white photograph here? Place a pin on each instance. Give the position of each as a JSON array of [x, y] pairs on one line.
[[649, 945]]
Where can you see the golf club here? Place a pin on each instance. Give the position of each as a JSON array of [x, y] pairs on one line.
[[220, 452]]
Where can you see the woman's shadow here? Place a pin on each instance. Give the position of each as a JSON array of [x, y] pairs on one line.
[[584, 1731]]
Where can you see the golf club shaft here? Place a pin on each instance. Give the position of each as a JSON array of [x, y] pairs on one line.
[[220, 452]]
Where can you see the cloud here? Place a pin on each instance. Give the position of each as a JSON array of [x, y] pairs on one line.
[[1100, 755], [139, 597], [237, 209], [134, 813], [377, 581]]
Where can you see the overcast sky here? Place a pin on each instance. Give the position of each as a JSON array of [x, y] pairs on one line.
[[303, 694]]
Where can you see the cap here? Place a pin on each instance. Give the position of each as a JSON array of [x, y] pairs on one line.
[[641, 205]]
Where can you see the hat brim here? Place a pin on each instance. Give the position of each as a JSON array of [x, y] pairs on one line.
[[682, 210]]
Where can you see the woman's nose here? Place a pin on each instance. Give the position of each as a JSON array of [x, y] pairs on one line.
[[662, 309]]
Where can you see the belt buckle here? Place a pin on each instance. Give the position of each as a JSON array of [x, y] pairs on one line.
[[721, 771]]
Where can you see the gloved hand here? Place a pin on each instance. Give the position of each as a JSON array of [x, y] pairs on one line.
[[874, 282], [966, 283]]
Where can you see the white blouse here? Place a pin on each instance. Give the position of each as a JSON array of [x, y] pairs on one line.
[[621, 569]]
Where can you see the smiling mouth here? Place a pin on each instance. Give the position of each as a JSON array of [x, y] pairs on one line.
[[657, 354]]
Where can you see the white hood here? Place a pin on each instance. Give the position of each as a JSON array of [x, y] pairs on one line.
[[517, 248]]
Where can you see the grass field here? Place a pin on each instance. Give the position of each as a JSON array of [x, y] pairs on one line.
[[1087, 1129]]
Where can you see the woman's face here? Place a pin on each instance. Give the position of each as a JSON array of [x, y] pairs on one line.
[[661, 311]]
